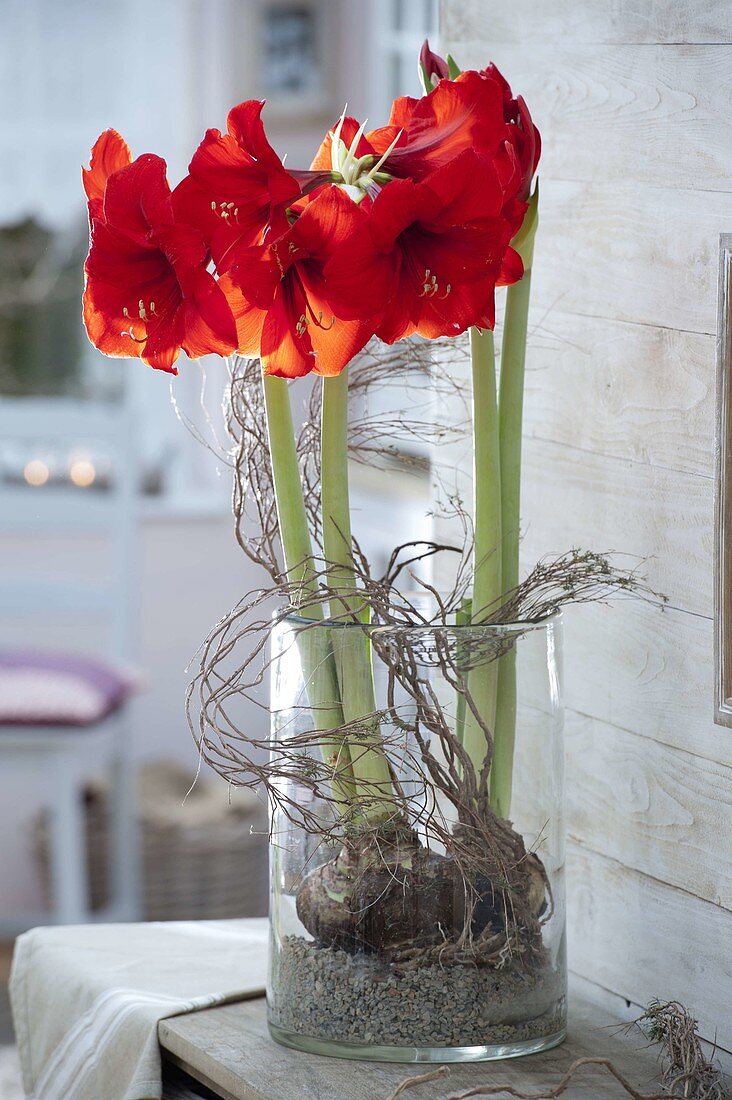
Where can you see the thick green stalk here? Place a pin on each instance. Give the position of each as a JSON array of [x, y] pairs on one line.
[[510, 421], [351, 648], [487, 572], [316, 658], [291, 514]]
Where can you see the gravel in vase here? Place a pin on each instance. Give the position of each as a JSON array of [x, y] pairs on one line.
[[329, 994]]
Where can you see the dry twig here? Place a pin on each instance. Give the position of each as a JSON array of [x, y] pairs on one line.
[[686, 1073]]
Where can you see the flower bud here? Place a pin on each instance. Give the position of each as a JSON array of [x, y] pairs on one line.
[[432, 67]]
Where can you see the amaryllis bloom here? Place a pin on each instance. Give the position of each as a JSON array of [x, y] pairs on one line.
[[473, 112], [147, 292], [237, 189], [525, 137], [447, 244], [109, 153], [288, 312]]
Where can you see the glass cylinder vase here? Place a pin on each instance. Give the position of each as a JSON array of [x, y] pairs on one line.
[[417, 882]]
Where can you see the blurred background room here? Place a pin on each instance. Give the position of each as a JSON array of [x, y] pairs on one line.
[[116, 554]]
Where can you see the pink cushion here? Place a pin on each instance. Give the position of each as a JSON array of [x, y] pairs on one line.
[[58, 689]]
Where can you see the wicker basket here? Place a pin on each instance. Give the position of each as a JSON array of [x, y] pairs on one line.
[[202, 859]]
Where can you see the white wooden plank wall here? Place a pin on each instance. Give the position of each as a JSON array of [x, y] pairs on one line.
[[635, 106]]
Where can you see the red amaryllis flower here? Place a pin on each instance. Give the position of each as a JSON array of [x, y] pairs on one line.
[[287, 311], [448, 244], [525, 137], [148, 293], [109, 153], [237, 189]]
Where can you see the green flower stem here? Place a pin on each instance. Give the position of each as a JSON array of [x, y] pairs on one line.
[[510, 418], [462, 618], [316, 658], [510, 422], [487, 570], [352, 649]]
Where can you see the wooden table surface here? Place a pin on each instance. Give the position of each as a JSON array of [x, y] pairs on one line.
[[228, 1049]]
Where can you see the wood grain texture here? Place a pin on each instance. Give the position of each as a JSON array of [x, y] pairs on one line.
[[630, 391], [642, 254], [573, 497], [649, 671], [642, 938], [653, 808], [593, 21], [634, 105], [229, 1048], [629, 1011], [657, 115]]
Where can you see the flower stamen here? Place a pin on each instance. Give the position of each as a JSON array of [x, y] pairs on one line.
[[431, 287]]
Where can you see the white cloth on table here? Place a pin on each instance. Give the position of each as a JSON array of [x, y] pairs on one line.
[[87, 999]]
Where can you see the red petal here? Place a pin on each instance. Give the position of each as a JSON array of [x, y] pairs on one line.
[[467, 189], [395, 208], [402, 110], [137, 198], [325, 225], [512, 268], [257, 276], [248, 318], [239, 186], [285, 350], [209, 323], [163, 345], [228, 172], [466, 113], [121, 274], [184, 248], [107, 333], [251, 286], [245, 125], [334, 341], [109, 153], [193, 206]]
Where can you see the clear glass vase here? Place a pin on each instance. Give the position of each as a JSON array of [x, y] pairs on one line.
[[416, 917]]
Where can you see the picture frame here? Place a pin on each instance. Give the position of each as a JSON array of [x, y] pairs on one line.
[[723, 493]]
